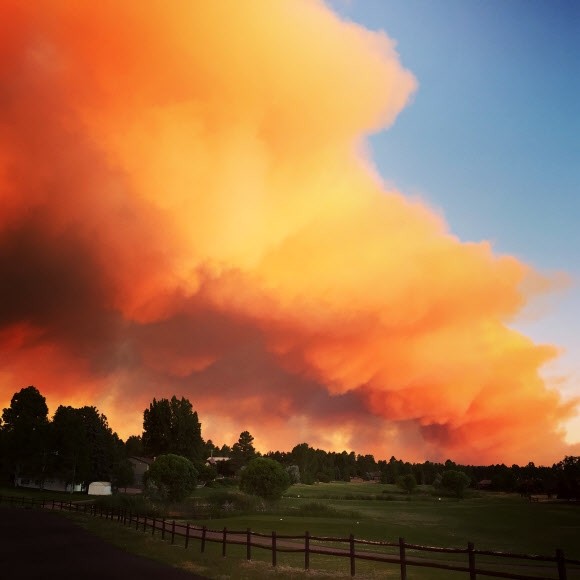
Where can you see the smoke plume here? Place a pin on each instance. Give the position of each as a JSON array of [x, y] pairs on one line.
[[188, 206]]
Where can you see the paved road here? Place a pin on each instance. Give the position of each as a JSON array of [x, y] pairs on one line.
[[38, 544]]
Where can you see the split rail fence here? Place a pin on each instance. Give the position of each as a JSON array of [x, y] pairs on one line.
[[307, 544]]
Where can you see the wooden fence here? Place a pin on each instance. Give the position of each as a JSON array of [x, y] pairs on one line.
[[401, 553]]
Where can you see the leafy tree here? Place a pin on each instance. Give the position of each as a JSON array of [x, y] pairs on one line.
[[407, 482], [85, 447], [25, 429], [123, 474], [305, 457], [172, 427], [157, 428], [294, 473], [206, 473], [264, 477], [134, 446], [72, 461], [243, 451], [365, 465], [455, 481], [344, 465], [170, 477], [185, 430], [567, 474]]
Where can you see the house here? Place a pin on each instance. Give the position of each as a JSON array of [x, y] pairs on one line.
[[214, 460], [100, 488], [140, 466], [49, 484], [484, 484]]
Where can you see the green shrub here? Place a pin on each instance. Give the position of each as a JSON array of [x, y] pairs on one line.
[[226, 482], [137, 504], [227, 501], [170, 478], [264, 477]]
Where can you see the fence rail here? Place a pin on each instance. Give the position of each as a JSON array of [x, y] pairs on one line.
[[308, 545]]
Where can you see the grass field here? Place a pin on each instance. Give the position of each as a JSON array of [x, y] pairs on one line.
[[492, 521]]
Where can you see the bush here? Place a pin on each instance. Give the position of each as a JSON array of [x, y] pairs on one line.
[[205, 473], [138, 504], [455, 481], [223, 482], [235, 501], [170, 477], [407, 482], [265, 478]]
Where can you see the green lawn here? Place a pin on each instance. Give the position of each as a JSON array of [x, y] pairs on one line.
[[369, 511]]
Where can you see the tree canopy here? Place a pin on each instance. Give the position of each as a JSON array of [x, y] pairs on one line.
[[243, 451], [172, 426], [25, 428], [170, 477], [407, 482], [264, 477], [455, 481], [86, 447]]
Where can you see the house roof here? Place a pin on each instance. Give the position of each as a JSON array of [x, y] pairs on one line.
[[147, 460]]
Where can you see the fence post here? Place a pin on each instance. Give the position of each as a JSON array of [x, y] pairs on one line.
[[163, 529], [274, 549], [53, 505], [187, 535], [137, 522], [307, 550], [153, 526], [203, 530], [471, 556], [145, 523], [224, 541], [352, 558], [561, 564], [173, 532], [248, 544], [402, 558]]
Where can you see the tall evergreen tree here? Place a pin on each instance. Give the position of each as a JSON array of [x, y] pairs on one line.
[[172, 427], [86, 447], [25, 427], [243, 451], [157, 428]]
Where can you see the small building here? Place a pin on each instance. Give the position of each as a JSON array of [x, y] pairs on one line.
[[48, 484], [140, 466], [215, 460], [100, 488]]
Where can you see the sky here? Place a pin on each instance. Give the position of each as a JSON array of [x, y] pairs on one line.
[[349, 224]]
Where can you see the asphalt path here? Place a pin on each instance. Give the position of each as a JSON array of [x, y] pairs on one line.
[[38, 544]]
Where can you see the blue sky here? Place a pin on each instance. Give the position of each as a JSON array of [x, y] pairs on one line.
[[492, 138]]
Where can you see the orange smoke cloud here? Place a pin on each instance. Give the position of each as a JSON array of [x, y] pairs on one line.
[[186, 208]]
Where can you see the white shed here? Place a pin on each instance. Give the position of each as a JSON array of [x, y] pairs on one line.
[[100, 488]]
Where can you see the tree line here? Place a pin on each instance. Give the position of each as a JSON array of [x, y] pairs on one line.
[[78, 446]]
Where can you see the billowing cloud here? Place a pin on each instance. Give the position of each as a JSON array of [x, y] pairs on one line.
[[187, 207]]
